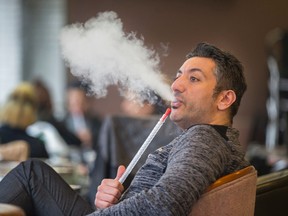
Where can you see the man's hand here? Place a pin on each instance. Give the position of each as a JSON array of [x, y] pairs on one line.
[[110, 190]]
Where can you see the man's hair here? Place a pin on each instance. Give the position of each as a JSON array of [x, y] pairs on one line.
[[229, 72]]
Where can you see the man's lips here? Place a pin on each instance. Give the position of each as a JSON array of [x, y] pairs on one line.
[[176, 103]]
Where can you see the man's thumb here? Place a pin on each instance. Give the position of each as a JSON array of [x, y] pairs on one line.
[[120, 171]]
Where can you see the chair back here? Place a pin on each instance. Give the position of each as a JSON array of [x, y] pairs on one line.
[[14, 151], [10, 210], [272, 194], [231, 195]]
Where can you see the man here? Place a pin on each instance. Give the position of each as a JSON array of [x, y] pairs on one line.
[[208, 89], [79, 120]]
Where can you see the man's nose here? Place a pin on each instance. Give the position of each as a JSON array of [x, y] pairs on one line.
[[178, 85]]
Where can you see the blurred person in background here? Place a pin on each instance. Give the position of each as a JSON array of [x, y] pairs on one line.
[[17, 113], [77, 119], [45, 112], [48, 127], [80, 121]]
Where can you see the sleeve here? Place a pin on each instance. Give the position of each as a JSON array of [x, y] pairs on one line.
[[196, 161]]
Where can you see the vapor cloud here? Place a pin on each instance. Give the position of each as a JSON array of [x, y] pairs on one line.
[[102, 54]]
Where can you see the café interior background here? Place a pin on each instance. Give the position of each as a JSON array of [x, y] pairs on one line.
[[29, 42]]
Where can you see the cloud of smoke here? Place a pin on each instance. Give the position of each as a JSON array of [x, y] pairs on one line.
[[100, 53]]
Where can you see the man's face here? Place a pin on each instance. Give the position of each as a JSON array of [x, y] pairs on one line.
[[76, 101], [193, 93]]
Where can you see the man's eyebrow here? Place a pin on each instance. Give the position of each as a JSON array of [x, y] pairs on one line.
[[195, 70], [192, 70]]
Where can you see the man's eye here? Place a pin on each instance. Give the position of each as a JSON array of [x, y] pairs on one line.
[[193, 79]]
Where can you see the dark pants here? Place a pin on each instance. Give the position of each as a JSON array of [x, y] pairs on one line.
[[39, 190]]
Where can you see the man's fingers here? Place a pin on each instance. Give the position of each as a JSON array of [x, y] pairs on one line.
[[105, 200], [110, 191], [100, 204], [120, 172]]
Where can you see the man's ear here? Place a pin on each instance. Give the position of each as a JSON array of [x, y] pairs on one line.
[[226, 99]]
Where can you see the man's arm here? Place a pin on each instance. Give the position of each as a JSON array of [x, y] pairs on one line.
[[169, 185]]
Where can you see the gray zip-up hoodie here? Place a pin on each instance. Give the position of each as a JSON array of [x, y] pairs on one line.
[[174, 176]]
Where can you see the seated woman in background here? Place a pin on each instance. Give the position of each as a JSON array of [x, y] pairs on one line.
[[45, 112], [16, 115], [56, 136]]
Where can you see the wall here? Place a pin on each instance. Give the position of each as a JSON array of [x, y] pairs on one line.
[[237, 26]]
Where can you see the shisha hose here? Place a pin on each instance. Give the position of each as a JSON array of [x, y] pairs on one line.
[[144, 146]]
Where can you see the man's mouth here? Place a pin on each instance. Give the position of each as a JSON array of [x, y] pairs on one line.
[[176, 103]]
